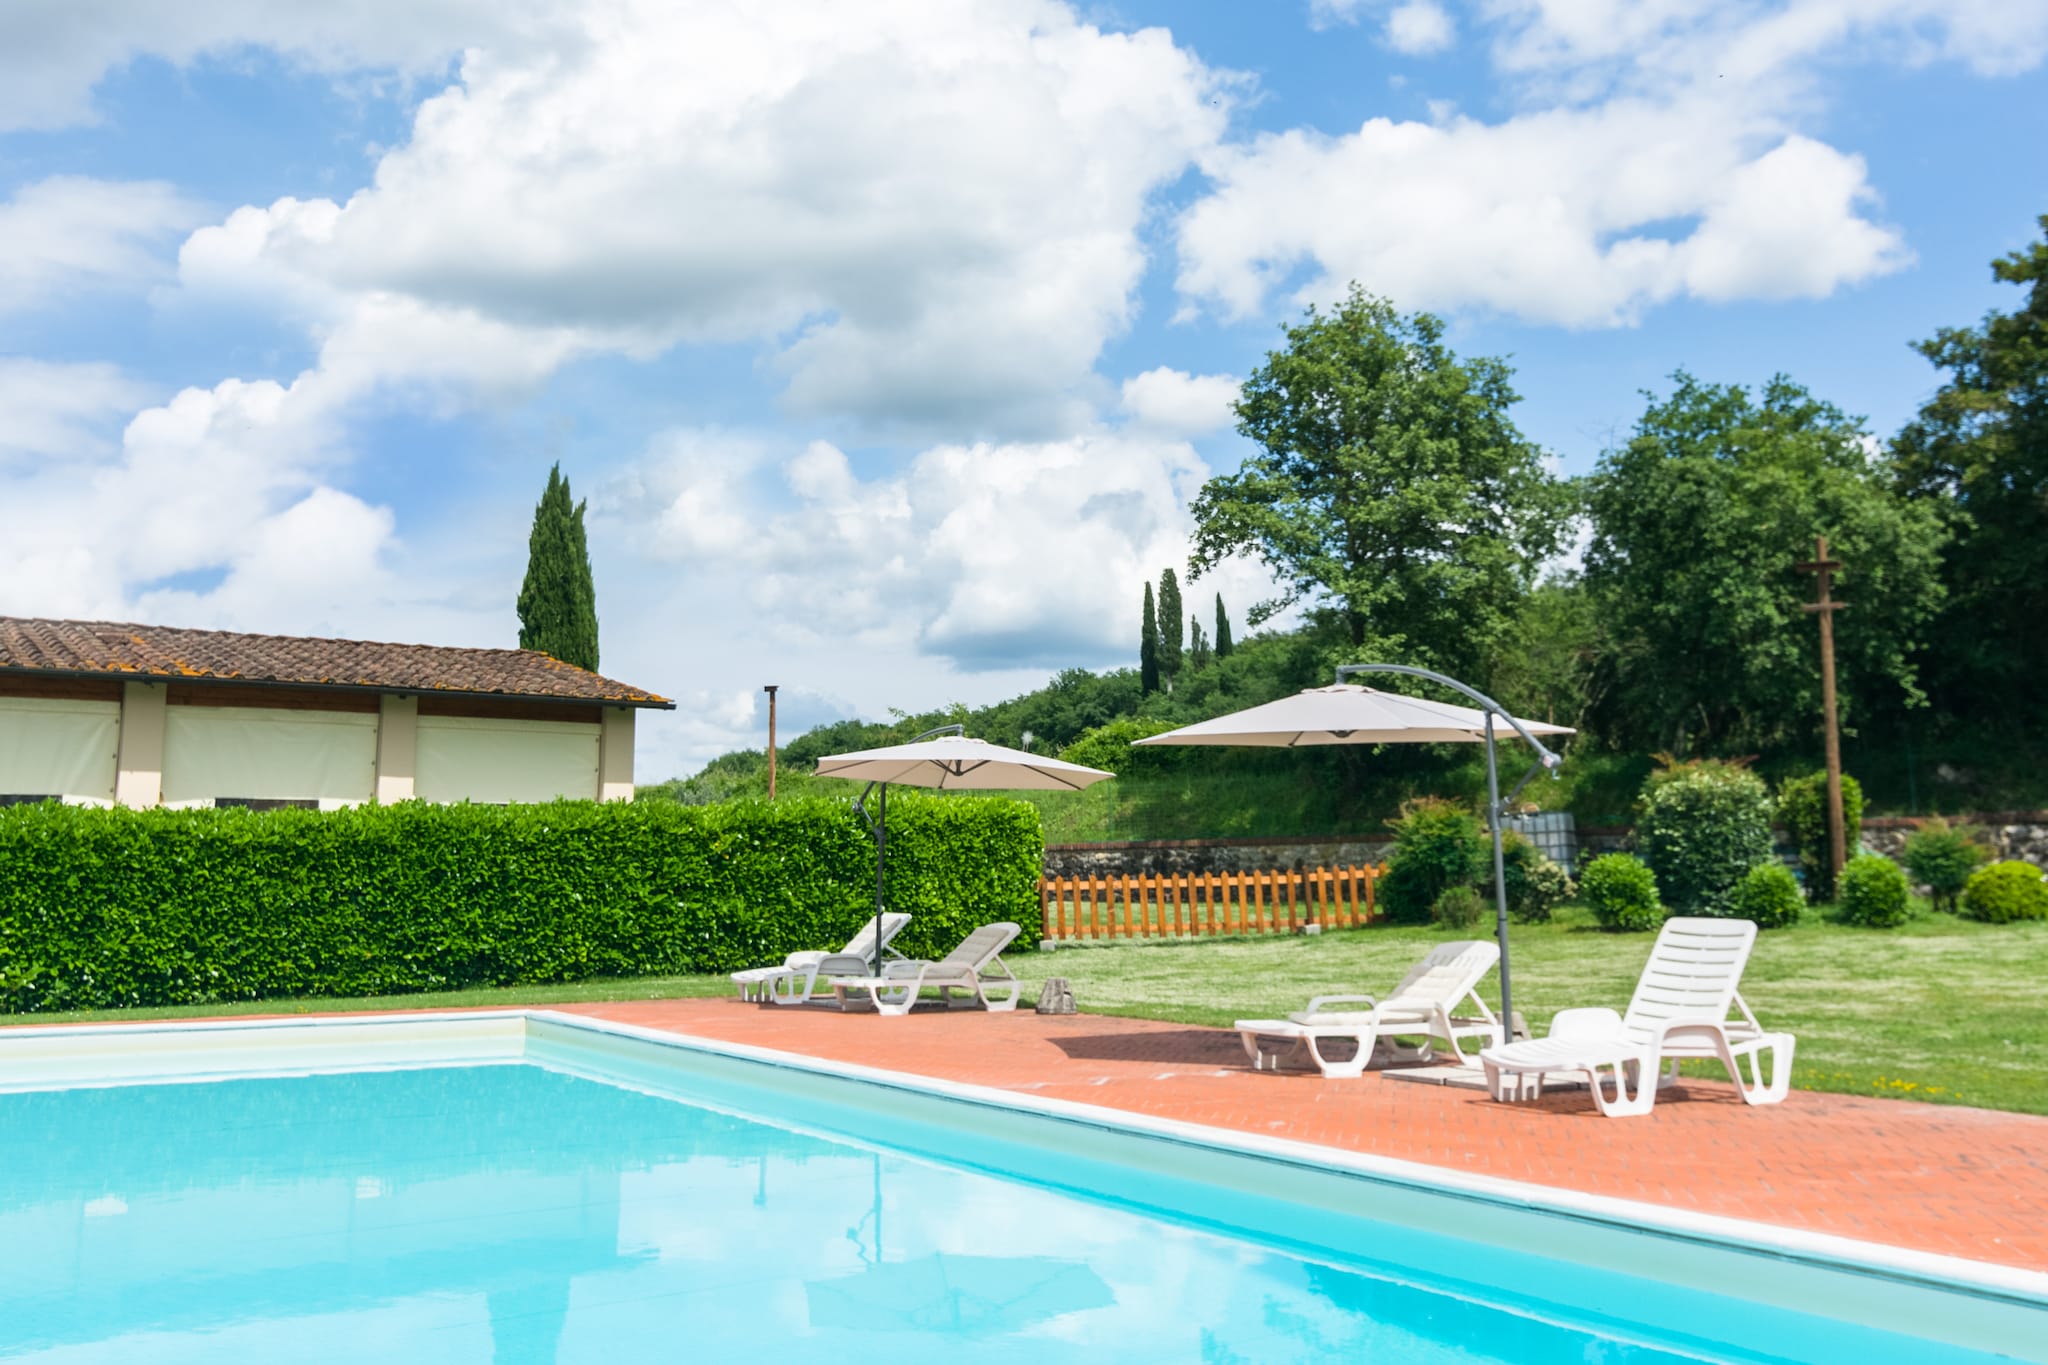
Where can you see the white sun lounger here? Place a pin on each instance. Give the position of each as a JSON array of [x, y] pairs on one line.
[[1424, 1004], [1680, 1010], [857, 958], [973, 966]]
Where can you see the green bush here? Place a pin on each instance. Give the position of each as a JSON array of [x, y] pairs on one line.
[[1108, 747], [1703, 826], [1536, 884], [1803, 811], [103, 908], [1942, 858], [1874, 892], [2004, 892], [1438, 844], [1621, 892], [1769, 895], [1457, 908]]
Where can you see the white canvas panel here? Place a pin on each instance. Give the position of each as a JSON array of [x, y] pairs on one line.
[[59, 748], [465, 759], [216, 751]]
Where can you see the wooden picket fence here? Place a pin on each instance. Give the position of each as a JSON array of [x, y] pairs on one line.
[[1192, 904]]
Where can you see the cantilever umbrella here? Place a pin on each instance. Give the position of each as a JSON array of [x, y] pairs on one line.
[[945, 758], [1350, 714]]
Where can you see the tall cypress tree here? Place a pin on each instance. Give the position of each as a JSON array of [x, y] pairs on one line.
[[1223, 644], [1148, 648], [558, 600], [1170, 626]]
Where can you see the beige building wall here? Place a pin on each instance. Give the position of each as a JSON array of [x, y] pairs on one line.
[[139, 769], [615, 755], [398, 748]]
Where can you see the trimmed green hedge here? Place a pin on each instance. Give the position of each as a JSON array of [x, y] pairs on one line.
[[107, 908]]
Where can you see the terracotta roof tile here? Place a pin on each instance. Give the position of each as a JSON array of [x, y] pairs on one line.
[[112, 648]]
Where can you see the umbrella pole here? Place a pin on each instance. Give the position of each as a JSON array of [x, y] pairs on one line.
[[881, 858], [1500, 885]]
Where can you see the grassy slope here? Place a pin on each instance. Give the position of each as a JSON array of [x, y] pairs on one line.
[[1941, 1009]]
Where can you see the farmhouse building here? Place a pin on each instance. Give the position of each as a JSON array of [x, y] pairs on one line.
[[95, 712]]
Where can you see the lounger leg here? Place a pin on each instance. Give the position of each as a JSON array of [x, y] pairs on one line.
[[1002, 1002], [1342, 1071], [1641, 1072], [1756, 1089], [893, 1000]]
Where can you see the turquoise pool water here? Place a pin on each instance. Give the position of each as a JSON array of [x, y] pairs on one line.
[[516, 1213]]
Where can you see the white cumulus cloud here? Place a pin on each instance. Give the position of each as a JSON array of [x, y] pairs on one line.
[[1420, 27], [73, 232], [1175, 402], [63, 411], [930, 208]]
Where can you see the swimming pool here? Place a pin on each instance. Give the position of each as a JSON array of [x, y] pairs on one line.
[[508, 1187]]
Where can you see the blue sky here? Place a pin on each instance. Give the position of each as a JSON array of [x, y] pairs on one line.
[[890, 342]]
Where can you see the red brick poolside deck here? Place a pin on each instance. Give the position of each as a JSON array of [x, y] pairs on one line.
[[1961, 1182]]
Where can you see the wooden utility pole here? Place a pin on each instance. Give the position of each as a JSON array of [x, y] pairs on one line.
[[770, 690], [1825, 607]]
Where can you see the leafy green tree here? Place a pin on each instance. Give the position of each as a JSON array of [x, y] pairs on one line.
[[1699, 524], [1391, 489], [1223, 643], [1547, 665], [558, 600], [1148, 647], [1978, 451], [1171, 656]]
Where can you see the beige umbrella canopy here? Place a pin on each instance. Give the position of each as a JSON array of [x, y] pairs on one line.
[[946, 759], [1350, 714], [957, 763], [1346, 713]]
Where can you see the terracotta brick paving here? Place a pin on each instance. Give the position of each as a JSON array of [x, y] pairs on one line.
[[1962, 1182]]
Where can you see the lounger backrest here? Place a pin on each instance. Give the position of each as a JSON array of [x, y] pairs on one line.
[[981, 947], [1447, 972], [1691, 975], [862, 944]]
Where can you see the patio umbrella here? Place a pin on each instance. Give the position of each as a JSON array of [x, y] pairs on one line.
[[1350, 714], [945, 758]]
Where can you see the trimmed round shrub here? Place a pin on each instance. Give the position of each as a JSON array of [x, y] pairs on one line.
[[2004, 892], [1803, 811], [1536, 884], [1621, 892], [1703, 827], [1874, 892], [1941, 858], [1458, 908], [1438, 844], [1769, 895]]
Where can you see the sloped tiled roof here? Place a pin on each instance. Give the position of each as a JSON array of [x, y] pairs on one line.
[[106, 648]]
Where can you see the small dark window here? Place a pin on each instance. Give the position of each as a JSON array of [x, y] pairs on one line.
[[18, 799], [267, 803]]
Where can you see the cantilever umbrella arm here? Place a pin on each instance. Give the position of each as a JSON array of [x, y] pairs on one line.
[[1496, 808]]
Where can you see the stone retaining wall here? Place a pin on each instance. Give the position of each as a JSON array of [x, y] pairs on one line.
[[2021, 834], [1161, 857]]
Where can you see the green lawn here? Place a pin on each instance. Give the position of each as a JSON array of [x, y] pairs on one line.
[[1940, 1009]]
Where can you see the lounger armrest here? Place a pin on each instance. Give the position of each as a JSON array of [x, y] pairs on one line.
[[841, 964], [1316, 1005], [906, 966], [1595, 1022]]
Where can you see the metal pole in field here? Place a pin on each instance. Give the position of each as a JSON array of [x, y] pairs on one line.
[[1823, 569], [770, 689]]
